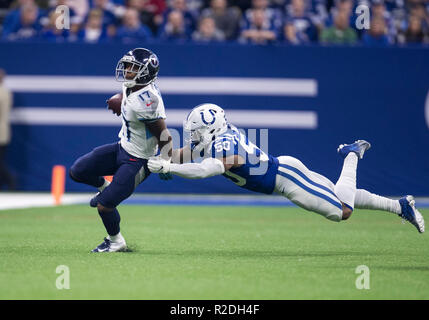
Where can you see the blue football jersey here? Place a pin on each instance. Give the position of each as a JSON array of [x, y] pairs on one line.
[[258, 173]]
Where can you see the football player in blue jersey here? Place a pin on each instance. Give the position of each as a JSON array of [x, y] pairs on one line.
[[217, 147]]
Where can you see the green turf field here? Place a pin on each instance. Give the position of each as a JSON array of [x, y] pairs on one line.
[[212, 253]]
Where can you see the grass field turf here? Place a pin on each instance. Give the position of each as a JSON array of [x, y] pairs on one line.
[[199, 252]]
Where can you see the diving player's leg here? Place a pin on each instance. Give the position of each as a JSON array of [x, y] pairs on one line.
[[345, 188], [91, 167], [129, 175], [404, 207], [367, 200], [307, 189]]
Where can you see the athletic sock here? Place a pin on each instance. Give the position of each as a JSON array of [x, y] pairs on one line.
[[368, 200], [105, 184], [117, 238], [111, 221], [345, 189]]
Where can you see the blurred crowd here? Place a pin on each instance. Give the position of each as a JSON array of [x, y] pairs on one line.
[[294, 22]]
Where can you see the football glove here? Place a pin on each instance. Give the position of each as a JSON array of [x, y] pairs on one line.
[[158, 165]]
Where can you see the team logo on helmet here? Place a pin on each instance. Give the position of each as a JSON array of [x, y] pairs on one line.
[[212, 112], [153, 60]]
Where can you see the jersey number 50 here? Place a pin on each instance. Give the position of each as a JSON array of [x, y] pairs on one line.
[[222, 145]]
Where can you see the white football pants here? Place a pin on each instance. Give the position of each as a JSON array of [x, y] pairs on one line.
[[307, 189]]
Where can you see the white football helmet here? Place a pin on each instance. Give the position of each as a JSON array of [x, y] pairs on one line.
[[204, 123]]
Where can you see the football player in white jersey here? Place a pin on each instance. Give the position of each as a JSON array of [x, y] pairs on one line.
[[224, 150], [143, 132]]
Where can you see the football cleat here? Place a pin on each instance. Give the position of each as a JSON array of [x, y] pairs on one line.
[[359, 147], [109, 246], [411, 214]]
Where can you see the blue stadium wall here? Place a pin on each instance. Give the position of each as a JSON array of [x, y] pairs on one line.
[[378, 94]]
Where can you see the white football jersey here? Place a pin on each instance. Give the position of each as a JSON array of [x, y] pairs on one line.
[[137, 109]]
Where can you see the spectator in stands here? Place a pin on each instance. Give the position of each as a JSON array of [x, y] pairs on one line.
[[13, 20], [340, 32], [175, 29], [6, 177], [377, 34], [273, 17], [414, 34], [227, 19], [188, 17], [108, 14], [207, 31], [260, 31], [345, 5], [132, 30], [28, 27], [13, 16], [94, 30], [145, 17], [157, 7], [291, 36], [404, 21], [378, 10], [419, 11], [51, 33], [342, 6], [150, 12], [302, 20]]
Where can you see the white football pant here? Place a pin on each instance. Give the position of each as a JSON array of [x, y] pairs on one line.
[[307, 189]]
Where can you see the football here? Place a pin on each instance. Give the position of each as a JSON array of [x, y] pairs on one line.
[[114, 103]]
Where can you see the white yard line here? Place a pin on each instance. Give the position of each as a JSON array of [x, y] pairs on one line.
[[31, 200]]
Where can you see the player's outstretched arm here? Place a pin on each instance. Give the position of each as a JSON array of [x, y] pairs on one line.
[[207, 168]]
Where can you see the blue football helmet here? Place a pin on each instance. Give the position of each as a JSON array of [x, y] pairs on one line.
[[141, 62]]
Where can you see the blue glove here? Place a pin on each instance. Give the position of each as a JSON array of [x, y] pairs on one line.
[[165, 176]]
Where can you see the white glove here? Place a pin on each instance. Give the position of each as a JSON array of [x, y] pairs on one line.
[[158, 165]]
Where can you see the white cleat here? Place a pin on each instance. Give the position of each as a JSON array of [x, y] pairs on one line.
[[411, 214], [110, 246]]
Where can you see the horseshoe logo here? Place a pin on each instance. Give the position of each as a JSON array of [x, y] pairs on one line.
[[212, 112]]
